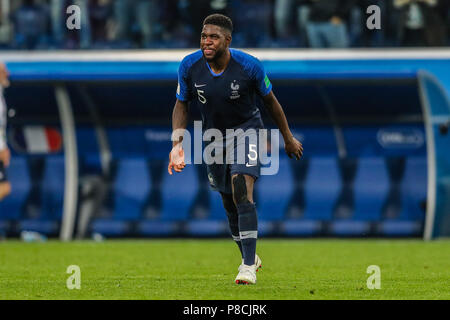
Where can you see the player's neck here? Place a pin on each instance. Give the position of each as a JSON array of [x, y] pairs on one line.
[[220, 64]]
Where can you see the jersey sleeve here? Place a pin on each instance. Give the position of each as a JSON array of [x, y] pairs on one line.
[[263, 84], [183, 92]]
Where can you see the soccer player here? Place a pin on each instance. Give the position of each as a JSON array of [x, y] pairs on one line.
[[5, 186], [224, 83]]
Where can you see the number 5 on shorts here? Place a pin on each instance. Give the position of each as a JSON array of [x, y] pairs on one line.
[[253, 151]]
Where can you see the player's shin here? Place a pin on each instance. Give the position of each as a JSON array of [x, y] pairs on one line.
[[248, 226], [237, 239], [234, 228]]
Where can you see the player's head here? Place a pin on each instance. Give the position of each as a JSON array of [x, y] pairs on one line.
[[4, 74], [216, 36]]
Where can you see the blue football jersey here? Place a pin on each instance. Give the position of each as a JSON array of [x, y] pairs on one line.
[[226, 100]]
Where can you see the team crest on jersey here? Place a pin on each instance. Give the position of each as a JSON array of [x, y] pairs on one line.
[[234, 90]]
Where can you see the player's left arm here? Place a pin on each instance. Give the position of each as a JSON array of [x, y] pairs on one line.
[[292, 146]]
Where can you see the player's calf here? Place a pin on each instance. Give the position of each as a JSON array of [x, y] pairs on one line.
[[248, 224], [233, 220]]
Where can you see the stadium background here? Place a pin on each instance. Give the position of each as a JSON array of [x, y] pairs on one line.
[[365, 114]]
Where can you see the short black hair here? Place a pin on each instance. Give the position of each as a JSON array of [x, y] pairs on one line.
[[219, 20]]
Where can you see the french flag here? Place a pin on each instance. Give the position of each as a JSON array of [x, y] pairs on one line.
[[36, 139]]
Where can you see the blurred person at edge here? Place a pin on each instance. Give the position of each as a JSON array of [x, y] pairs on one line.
[[5, 156], [145, 13], [290, 18], [101, 14], [30, 21], [422, 22], [194, 11], [327, 23]]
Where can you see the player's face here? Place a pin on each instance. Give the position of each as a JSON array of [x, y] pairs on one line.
[[4, 74], [213, 42]]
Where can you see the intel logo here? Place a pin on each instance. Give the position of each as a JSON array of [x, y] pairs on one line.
[[158, 136], [406, 138]]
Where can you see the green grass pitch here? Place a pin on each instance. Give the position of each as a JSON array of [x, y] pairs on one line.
[[205, 269]]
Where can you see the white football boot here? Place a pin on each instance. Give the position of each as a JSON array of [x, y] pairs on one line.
[[246, 275], [258, 263]]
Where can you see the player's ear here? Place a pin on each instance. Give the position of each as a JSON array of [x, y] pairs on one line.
[[228, 39]]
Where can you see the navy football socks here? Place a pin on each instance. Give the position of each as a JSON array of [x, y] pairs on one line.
[[237, 239], [248, 231], [234, 228]]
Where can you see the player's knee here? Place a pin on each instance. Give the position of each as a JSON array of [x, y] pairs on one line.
[[240, 194], [5, 189]]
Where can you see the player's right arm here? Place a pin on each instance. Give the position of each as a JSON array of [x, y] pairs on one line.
[[5, 155], [179, 124], [180, 116]]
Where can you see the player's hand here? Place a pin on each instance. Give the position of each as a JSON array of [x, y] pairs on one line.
[[293, 148], [5, 157], [176, 159]]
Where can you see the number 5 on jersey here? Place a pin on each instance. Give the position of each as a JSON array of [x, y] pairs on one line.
[[201, 97]]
